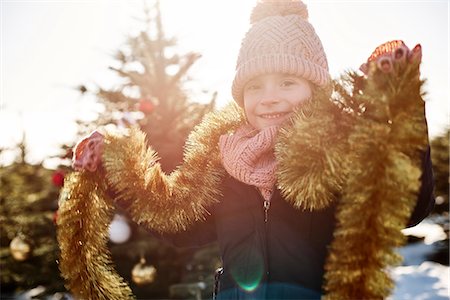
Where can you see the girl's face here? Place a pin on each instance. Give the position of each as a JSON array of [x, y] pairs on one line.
[[270, 99]]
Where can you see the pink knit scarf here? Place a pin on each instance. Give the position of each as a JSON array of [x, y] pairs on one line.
[[248, 156]]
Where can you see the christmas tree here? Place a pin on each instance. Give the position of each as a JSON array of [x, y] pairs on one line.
[[151, 92], [440, 158], [28, 203], [151, 95]]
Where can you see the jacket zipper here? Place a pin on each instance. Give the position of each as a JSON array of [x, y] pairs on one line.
[[266, 206], [266, 210]]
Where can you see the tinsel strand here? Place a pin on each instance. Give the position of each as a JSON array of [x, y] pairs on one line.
[[83, 218], [312, 154], [162, 202], [380, 193]]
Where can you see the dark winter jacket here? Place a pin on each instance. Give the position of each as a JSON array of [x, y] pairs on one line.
[[289, 250]]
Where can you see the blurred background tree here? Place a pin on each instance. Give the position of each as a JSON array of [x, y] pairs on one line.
[[440, 158], [151, 95], [441, 164], [28, 204], [151, 92]]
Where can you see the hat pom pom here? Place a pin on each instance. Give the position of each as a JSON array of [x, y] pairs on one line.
[[270, 8]]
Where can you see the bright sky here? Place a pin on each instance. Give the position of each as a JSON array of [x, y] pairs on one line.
[[49, 47]]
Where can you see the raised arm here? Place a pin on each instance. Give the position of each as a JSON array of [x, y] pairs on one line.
[[162, 203], [390, 184]]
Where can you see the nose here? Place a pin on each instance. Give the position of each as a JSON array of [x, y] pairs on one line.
[[269, 96]]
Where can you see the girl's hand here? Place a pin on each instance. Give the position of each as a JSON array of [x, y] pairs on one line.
[[88, 153], [392, 58], [390, 88]]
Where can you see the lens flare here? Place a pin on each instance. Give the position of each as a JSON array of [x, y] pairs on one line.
[[249, 272]]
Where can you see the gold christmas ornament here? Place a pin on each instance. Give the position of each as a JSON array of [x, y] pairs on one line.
[[143, 273], [20, 248]]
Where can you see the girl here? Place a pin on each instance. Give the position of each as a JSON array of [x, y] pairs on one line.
[[287, 182]]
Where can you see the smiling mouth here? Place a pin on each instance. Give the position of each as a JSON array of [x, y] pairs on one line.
[[273, 115]]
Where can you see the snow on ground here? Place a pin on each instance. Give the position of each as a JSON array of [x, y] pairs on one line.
[[418, 279], [428, 229], [428, 281]]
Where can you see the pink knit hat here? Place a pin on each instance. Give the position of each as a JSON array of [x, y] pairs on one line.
[[280, 40]]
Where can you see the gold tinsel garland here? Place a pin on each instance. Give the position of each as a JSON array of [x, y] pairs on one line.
[[370, 158], [83, 219], [382, 187], [312, 154], [165, 203]]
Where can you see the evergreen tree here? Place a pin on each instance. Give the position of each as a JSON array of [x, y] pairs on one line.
[[151, 91], [441, 165], [151, 95], [440, 159], [28, 248]]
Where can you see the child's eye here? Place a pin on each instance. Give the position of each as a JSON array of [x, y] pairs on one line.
[[287, 83], [252, 86]]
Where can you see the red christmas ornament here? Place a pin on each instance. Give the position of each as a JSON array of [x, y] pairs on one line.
[[146, 105], [58, 178]]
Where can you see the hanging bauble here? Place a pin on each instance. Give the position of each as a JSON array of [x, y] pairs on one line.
[[20, 248], [146, 105], [119, 230], [143, 273], [58, 178]]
